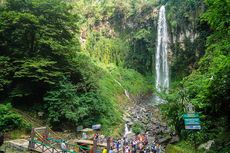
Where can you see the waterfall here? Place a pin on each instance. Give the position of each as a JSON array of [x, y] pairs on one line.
[[162, 68], [127, 130]]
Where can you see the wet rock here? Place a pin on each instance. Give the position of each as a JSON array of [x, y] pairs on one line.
[[154, 120], [206, 145], [157, 131], [130, 123], [167, 130], [154, 127], [130, 136], [174, 139], [164, 139], [149, 127], [164, 130], [151, 139], [145, 121], [143, 109], [126, 119], [163, 124]]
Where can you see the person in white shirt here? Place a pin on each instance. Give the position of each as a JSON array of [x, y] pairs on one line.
[[63, 147]]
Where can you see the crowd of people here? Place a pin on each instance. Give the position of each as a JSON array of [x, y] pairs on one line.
[[139, 144]]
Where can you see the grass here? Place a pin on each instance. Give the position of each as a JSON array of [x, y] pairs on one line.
[[112, 87], [182, 147], [18, 134]]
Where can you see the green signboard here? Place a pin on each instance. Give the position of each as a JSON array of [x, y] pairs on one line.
[[191, 121], [193, 127], [193, 115]]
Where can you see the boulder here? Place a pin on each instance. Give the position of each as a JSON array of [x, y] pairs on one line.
[[149, 127], [130, 123], [164, 124], [130, 136], [145, 121], [126, 119], [164, 139], [206, 145], [174, 139], [151, 139]]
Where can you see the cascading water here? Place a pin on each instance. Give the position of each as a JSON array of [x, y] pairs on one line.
[[127, 130], [162, 68]]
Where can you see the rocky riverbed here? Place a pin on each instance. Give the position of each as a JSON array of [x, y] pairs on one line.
[[154, 127]]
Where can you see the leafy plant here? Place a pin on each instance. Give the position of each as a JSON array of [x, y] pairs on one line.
[[10, 120], [137, 127]]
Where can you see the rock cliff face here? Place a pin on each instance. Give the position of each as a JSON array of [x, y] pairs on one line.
[[186, 36]]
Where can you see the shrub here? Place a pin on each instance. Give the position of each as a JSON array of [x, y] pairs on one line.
[[137, 128], [10, 120]]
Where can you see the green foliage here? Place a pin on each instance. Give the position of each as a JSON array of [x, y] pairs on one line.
[[129, 79], [43, 70], [112, 87], [10, 120], [221, 143], [107, 50], [141, 53], [41, 63], [182, 147], [37, 42], [137, 128], [119, 32], [207, 87], [33, 28], [66, 107], [217, 14], [188, 35], [5, 71], [185, 16], [63, 104]]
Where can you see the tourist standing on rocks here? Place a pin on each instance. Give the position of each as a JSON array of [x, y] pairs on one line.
[[127, 149], [158, 148], [125, 140], [153, 147], [84, 136], [134, 145], [104, 150], [118, 145], [111, 150], [96, 136], [134, 150], [63, 147], [121, 142], [145, 140], [140, 146]]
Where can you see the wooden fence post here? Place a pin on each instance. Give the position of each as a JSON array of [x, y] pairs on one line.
[[108, 144], [94, 145], [31, 142]]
